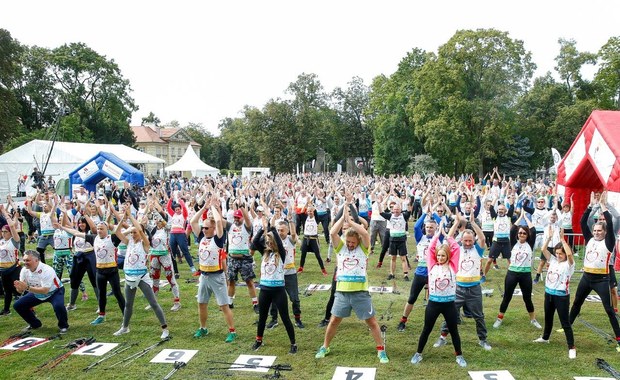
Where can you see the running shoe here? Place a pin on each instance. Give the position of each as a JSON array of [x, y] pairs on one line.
[[99, 320], [383, 358], [323, 352], [201, 332]]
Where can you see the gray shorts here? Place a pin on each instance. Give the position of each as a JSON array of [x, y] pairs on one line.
[[213, 284], [358, 301], [44, 241]]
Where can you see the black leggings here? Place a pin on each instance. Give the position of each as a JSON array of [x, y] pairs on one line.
[[103, 277], [385, 244], [524, 280], [561, 304], [600, 284], [266, 297], [323, 220], [332, 297], [8, 277], [417, 286], [432, 312], [83, 262], [300, 220], [311, 245]]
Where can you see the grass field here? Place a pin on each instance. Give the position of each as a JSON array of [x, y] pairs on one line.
[[513, 349]]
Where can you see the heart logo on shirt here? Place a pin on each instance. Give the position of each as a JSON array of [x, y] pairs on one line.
[[57, 242], [270, 269], [350, 263], [467, 265], [442, 283], [236, 240], [79, 244], [132, 259], [156, 242], [521, 256], [592, 255], [4, 253], [553, 277], [101, 253]]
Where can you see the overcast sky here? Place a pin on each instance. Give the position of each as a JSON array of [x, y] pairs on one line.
[[202, 61]]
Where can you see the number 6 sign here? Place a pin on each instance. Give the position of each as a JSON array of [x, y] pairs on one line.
[[172, 356]]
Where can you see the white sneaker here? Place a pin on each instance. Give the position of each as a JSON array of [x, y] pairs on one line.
[[416, 358], [572, 353], [176, 306], [497, 323], [540, 340], [535, 324], [460, 360], [147, 307], [121, 331], [165, 333], [441, 341], [484, 344]]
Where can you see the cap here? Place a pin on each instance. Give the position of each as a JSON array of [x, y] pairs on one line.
[[6, 228], [260, 208], [238, 214]]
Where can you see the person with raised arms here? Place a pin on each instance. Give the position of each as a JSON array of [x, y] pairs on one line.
[[600, 242], [104, 246], [468, 280], [212, 266], [519, 272], [9, 261], [137, 275], [352, 283], [442, 262], [557, 295]]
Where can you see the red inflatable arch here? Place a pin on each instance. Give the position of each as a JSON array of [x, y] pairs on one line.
[[593, 161]]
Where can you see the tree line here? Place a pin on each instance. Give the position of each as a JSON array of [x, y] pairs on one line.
[[472, 105]]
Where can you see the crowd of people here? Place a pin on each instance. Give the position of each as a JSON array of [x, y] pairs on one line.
[[241, 225]]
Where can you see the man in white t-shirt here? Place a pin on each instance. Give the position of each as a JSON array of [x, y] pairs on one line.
[[42, 285]]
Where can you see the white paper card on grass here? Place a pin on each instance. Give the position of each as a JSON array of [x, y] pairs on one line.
[[171, 356], [491, 375], [253, 363], [23, 343], [593, 298], [380, 289], [96, 349], [319, 287], [593, 378], [352, 373]]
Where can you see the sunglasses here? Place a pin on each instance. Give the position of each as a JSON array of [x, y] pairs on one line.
[[522, 233]]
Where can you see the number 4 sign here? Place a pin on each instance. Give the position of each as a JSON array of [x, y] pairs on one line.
[[348, 373], [172, 356]]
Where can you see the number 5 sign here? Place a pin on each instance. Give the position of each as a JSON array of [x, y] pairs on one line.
[[490, 375], [172, 356], [348, 373]]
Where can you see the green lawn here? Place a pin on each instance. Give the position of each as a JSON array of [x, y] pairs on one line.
[[513, 349]]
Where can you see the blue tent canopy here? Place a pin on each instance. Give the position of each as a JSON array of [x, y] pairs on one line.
[[104, 165]]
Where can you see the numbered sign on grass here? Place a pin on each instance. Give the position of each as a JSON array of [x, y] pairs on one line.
[[350, 373], [96, 349], [319, 287], [171, 356], [593, 378], [20, 344], [253, 363], [490, 375], [380, 289]]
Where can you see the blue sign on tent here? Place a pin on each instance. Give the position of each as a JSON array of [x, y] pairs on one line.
[[104, 165]]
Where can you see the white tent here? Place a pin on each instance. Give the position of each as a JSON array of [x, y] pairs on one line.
[[191, 163], [65, 157]]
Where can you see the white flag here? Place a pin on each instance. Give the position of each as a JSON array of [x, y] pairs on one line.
[[556, 157]]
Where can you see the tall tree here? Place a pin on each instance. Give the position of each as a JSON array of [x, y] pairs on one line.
[[10, 52], [570, 61], [468, 95], [356, 135], [152, 119], [608, 76]]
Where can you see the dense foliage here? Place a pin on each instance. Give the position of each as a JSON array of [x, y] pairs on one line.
[[472, 105]]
